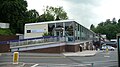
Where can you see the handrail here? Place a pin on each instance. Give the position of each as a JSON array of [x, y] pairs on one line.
[[44, 37]]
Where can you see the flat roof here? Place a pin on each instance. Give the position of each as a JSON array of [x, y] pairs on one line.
[[58, 21]]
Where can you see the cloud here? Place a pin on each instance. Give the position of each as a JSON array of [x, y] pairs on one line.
[[92, 2], [86, 12], [82, 11]]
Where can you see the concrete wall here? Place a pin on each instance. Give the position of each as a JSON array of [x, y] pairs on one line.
[[58, 49], [37, 30]]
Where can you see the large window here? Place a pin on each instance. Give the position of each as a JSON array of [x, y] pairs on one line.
[[59, 25], [51, 26], [69, 28]]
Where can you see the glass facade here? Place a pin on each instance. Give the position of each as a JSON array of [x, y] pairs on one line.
[[51, 27], [59, 25], [72, 31], [69, 31]]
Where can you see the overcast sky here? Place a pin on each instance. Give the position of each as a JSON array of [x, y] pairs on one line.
[[86, 12]]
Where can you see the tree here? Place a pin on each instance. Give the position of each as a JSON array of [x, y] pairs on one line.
[[107, 22], [32, 16], [46, 17], [53, 13], [118, 23], [111, 31], [110, 28], [114, 21], [101, 24], [13, 11], [92, 27]]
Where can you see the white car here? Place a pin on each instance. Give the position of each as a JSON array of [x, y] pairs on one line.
[[109, 47]]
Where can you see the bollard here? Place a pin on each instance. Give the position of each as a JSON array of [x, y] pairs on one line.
[[15, 57], [106, 50]]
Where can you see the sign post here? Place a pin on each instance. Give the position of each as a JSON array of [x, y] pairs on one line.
[[118, 46], [15, 57]]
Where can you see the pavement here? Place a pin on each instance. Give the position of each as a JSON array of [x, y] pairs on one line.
[[85, 53]]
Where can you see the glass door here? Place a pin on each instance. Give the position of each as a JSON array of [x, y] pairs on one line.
[[59, 33]]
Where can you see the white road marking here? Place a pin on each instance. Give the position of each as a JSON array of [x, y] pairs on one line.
[[34, 65], [106, 56]]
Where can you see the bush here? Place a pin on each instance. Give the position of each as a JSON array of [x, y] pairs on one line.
[[5, 31]]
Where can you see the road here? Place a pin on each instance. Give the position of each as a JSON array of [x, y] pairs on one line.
[[101, 59]]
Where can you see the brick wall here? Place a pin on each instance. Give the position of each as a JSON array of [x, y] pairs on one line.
[[8, 37], [4, 48], [72, 48]]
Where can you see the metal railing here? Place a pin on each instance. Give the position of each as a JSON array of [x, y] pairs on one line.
[[39, 40], [29, 41]]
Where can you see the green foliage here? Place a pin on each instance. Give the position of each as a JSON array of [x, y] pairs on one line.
[[110, 28], [46, 34], [16, 14], [5, 32], [32, 16], [13, 12], [92, 27], [53, 13], [46, 17]]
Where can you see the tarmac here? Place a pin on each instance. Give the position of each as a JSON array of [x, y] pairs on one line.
[[10, 64], [85, 53]]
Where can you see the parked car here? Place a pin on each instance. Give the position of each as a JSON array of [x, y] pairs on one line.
[[107, 46], [112, 43]]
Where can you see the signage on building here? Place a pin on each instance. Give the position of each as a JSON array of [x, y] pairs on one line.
[[38, 31]]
